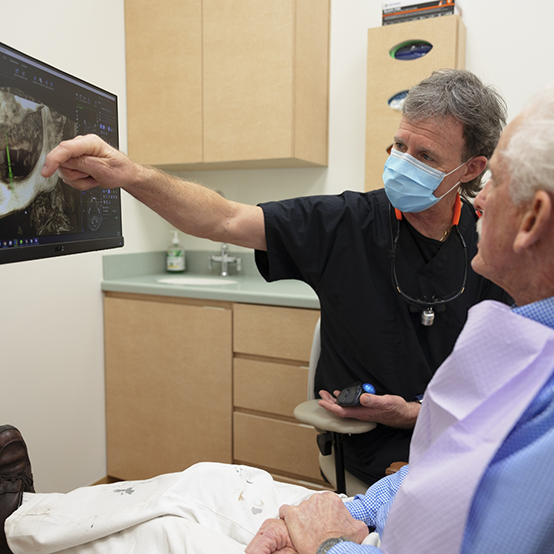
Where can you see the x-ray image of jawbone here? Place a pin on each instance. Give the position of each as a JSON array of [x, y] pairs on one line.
[[28, 131]]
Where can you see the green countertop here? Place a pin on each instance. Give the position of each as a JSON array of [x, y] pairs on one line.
[[140, 273]]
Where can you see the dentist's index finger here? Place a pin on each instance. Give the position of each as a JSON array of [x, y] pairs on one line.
[[69, 149]]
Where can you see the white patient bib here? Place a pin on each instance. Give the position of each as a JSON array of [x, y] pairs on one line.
[[500, 362]]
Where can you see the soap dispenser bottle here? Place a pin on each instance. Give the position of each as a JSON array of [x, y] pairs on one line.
[[175, 256]]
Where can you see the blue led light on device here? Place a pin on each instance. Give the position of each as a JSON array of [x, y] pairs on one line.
[[350, 396]]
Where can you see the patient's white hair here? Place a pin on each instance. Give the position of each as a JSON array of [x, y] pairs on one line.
[[530, 150]]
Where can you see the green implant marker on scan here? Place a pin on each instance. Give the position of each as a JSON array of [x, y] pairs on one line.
[[10, 172]]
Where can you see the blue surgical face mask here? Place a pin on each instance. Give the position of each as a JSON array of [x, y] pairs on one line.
[[410, 184]]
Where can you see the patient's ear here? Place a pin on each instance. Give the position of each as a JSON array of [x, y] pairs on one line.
[[536, 220]]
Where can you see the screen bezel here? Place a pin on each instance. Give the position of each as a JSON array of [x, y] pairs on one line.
[[74, 245]]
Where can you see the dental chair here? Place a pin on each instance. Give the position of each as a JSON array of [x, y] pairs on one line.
[[332, 429]]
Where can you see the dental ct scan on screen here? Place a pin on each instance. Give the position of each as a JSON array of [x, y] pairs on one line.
[[40, 106]]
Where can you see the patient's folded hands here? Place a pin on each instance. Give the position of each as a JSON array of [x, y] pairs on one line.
[[272, 537], [321, 517]]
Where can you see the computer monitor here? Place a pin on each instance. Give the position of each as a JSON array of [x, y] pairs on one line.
[[39, 107]]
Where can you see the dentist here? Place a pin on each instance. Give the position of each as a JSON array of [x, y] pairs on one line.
[[390, 266]]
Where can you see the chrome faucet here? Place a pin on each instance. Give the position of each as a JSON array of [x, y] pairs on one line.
[[225, 259]]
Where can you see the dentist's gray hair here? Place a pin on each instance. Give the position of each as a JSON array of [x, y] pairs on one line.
[[460, 94]]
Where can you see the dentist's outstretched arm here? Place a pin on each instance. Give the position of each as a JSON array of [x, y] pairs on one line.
[[87, 161]]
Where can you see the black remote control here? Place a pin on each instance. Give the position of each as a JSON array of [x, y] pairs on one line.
[[350, 396]]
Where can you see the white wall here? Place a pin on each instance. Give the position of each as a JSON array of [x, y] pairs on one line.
[[51, 368], [51, 310]]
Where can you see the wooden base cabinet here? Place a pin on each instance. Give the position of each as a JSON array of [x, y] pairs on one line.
[[270, 372], [168, 384], [198, 380]]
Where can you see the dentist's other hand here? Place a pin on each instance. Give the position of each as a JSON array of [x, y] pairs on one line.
[[386, 409]]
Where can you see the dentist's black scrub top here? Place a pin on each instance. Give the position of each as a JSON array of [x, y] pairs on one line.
[[340, 245]]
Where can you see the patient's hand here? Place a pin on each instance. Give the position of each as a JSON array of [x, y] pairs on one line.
[[272, 537], [386, 409], [321, 517]]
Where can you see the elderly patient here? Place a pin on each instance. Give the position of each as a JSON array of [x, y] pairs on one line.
[[480, 476]]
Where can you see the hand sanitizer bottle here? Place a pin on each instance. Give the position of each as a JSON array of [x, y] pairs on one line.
[[175, 256]]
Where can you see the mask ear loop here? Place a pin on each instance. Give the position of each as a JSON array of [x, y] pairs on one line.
[[450, 190]]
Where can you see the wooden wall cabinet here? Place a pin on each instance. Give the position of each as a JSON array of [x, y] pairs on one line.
[[387, 76], [163, 42], [233, 84]]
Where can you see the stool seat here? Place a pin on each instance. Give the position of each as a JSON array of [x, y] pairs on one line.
[[312, 413]]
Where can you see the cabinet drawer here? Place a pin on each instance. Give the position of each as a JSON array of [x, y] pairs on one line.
[[276, 445], [274, 332], [268, 386]]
